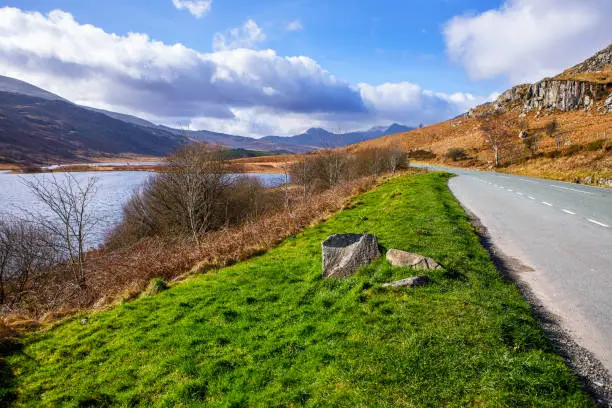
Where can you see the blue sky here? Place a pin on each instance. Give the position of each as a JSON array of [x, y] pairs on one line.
[[372, 41], [368, 62]]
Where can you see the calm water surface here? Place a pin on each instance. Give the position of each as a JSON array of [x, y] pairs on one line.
[[113, 189]]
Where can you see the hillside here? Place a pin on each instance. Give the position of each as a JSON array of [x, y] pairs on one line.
[[53, 129], [579, 151], [15, 86], [36, 130], [270, 331]]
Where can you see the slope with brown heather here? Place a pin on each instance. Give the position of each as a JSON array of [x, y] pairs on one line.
[[586, 151], [579, 99]]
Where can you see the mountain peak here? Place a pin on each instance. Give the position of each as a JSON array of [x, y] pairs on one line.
[[316, 130], [397, 128]]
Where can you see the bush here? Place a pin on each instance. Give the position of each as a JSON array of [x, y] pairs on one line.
[[456, 153], [323, 170], [601, 144], [420, 154], [196, 195], [27, 251], [573, 149], [156, 285]]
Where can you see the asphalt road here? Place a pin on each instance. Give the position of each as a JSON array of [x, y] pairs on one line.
[[563, 232]]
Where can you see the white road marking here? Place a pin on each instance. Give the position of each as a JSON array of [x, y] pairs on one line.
[[548, 204], [598, 223], [531, 198], [572, 189], [568, 212], [519, 193]]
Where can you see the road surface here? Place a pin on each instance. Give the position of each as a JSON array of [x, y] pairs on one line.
[[562, 231]]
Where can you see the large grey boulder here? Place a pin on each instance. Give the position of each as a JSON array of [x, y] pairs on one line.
[[415, 261], [409, 282], [344, 254]]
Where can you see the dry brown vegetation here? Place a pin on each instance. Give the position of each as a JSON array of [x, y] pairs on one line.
[[576, 159], [600, 77], [164, 236], [122, 274]]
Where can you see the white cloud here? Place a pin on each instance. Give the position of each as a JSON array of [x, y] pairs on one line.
[[246, 36], [295, 25], [409, 103], [197, 8], [251, 92], [526, 40]]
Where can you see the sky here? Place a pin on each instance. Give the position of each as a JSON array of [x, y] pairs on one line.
[[272, 67]]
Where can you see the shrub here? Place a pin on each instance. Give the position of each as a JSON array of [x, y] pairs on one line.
[[196, 195], [323, 170], [456, 153], [420, 154], [27, 251], [156, 285], [573, 149], [601, 144]]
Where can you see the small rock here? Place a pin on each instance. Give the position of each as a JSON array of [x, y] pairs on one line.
[[344, 254], [410, 282], [608, 103], [415, 261]]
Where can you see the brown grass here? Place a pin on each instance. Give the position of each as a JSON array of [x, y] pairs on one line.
[[577, 127], [600, 77]]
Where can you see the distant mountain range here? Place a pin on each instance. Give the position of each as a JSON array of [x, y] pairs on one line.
[[318, 138], [37, 126]]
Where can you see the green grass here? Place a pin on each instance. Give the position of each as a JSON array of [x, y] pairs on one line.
[[271, 332]]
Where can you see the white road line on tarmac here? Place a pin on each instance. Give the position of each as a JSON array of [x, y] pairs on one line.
[[531, 198], [568, 212], [510, 190], [548, 204], [572, 189], [598, 223], [519, 193]]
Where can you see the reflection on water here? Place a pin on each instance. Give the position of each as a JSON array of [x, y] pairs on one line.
[[113, 189]]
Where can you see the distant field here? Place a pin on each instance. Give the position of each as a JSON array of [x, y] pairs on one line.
[[271, 332]]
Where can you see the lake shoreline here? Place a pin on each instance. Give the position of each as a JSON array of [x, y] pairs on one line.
[[154, 168]]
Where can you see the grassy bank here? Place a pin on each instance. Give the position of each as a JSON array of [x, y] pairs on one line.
[[270, 332]]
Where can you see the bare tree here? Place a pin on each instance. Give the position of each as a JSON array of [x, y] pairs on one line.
[[187, 199], [397, 159], [496, 133], [7, 243], [68, 202], [198, 175], [531, 142], [552, 130], [26, 251]]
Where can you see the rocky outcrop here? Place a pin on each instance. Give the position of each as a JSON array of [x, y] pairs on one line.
[[564, 95], [409, 282], [556, 94], [344, 254], [597, 63], [415, 261], [584, 86]]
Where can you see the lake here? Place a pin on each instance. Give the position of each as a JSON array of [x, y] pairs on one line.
[[113, 189]]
